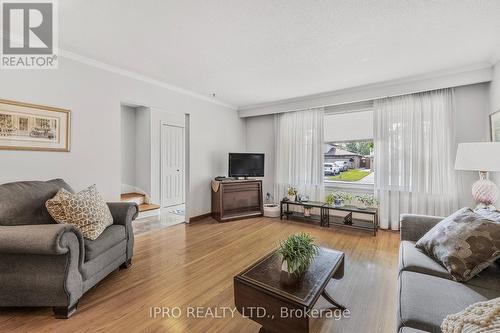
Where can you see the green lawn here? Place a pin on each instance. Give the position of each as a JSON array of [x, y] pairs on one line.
[[352, 175]]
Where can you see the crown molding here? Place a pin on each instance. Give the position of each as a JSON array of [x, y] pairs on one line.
[[136, 76], [480, 70], [471, 74]]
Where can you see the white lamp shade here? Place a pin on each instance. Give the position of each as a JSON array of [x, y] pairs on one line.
[[478, 156]]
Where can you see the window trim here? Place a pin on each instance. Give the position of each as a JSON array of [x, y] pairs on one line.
[[338, 184]]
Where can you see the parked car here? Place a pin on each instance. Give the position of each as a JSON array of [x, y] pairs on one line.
[[331, 169], [342, 165]]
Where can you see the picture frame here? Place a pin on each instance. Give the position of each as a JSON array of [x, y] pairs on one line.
[[25, 126], [495, 126]]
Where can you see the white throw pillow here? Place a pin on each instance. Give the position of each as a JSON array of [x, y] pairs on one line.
[[479, 317]]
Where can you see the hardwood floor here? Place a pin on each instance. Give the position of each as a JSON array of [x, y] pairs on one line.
[[193, 266]]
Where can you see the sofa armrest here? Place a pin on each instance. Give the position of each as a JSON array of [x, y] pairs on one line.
[[413, 227], [45, 239], [123, 214], [40, 265]]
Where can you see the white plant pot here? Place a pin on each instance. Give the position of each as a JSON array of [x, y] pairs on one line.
[[271, 210], [286, 277], [284, 267]]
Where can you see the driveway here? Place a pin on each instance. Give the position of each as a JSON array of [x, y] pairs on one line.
[[370, 179]]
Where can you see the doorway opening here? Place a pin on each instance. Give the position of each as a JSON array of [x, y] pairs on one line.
[[154, 165]]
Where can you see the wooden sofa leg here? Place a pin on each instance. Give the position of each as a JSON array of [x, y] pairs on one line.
[[64, 312], [126, 264]]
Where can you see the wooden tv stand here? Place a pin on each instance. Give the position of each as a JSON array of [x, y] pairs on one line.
[[237, 199]]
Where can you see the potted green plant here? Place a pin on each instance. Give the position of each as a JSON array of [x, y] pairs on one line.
[[347, 198], [334, 199], [330, 199], [297, 254], [337, 198], [291, 193], [366, 200], [373, 202]]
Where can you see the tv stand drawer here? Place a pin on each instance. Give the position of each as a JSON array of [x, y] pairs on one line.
[[241, 187]]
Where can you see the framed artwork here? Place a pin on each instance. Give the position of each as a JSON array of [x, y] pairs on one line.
[[495, 126], [33, 127]]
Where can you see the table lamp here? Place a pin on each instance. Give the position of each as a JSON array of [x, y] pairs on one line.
[[482, 157]]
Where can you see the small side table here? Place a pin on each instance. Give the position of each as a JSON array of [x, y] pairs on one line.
[[260, 286]]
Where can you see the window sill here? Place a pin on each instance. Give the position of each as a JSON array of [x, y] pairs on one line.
[[340, 185]]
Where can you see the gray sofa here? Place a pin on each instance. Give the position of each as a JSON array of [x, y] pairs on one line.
[[426, 292], [43, 263]]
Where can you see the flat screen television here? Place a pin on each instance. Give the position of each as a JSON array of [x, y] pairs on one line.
[[246, 165]]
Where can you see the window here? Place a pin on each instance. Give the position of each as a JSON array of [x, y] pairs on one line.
[[348, 150], [349, 162]]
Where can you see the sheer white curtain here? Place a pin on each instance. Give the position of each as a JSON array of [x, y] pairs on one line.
[[414, 152], [299, 153]]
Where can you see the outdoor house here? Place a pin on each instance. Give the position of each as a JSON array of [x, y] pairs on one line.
[[355, 160]]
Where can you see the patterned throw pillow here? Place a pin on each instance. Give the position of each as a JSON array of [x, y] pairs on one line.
[[55, 208], [86, 210], [465, 243]]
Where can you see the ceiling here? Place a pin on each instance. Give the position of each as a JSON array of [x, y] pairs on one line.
[[256, 51]]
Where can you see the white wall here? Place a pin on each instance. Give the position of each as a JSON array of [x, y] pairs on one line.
[[128, 157], [260, 139], [495, 106], [143, 149], [94, 96], [495, 88], [471, 124]]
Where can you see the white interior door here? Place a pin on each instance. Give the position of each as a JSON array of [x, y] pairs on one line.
[[172, 165]]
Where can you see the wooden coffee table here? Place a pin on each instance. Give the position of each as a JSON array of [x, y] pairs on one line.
[[261, 295]]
